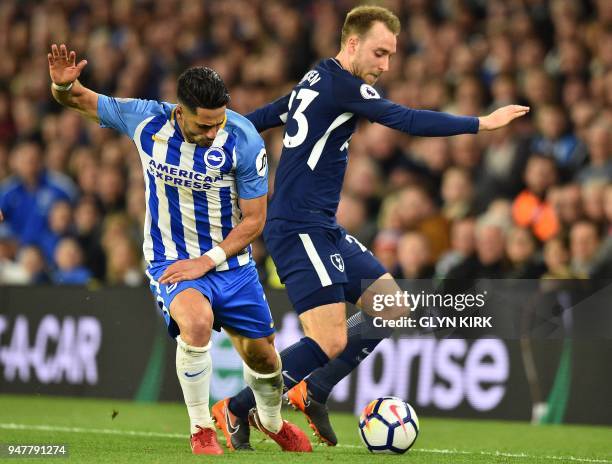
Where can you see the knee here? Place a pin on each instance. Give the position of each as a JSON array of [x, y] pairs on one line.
[[262, 361], [196, 330], [192, 313]]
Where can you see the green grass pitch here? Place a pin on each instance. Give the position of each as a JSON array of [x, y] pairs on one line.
[[157, 433]]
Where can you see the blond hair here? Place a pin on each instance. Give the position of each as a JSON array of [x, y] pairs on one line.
[[360, 19]]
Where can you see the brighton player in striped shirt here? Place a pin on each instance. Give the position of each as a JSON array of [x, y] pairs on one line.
[[205, 174]]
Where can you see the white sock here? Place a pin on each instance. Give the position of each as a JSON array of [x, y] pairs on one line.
[[268, 390], [194, 367]]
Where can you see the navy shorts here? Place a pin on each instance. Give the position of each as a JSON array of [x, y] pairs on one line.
[[319, 265], [236, 296]]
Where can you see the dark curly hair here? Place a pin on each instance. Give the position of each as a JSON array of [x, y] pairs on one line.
[[202, 87]]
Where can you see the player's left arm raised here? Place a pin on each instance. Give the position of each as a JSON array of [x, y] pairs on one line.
[[66, 89]]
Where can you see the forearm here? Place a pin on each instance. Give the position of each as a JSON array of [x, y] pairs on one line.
[[242, 236], [438, 124], [426, 123], [78, 97]]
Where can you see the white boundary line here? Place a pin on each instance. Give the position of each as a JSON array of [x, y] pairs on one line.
[[137, 433]]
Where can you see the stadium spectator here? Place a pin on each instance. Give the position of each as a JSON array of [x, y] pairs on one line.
[[584, 243], [110, 189], [59, 226], [466, 152], [531, 208], [582, 114], [593, 201], [353, 216], [123, 264], [502, 167], [32, 261], [26, 197], [457, 193], [521, 248], [489, 261], [417, 211], [555, 139], [11, 272], [87, 223], [429, 158], [414, 256], [599, 144], [556, 259], [385, 249], [69, 259], [462, 246], [538, 87], [569, 207]]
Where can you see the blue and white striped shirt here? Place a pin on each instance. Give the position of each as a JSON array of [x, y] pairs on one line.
[[191, 192]]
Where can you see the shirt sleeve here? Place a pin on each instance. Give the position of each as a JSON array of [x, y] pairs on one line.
[[271, 115], [363, 99], [124, 114], [251, 165]]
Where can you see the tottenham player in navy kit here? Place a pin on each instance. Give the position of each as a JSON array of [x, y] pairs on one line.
[[321, 265]]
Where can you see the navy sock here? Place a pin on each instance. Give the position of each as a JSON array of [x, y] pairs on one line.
[[358, 347], [299, 360]]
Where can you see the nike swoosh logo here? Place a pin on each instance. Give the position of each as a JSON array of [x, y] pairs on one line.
[[187, 374], [286, 374], [230, 427], [393, 409]]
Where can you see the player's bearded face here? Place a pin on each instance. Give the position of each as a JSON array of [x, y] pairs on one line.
[[200, 127]]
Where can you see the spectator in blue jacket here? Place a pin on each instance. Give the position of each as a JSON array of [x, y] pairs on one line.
[[27, 196]]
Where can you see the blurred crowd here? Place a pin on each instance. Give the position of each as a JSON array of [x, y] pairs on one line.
[[533, 200]]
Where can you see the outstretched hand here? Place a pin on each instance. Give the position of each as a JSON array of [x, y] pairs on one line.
[[62, 65], [502, 117]]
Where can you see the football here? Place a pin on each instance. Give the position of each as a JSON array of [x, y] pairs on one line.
[[388, 425]]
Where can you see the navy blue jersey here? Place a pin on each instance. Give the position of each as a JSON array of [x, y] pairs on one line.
[[320, 116]]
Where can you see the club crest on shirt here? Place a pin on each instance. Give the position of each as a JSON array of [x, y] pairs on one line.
[[214, 158], [261, 163], [337, 261], [368, 92]]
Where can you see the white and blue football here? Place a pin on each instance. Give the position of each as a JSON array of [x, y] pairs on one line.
[[388, 425]]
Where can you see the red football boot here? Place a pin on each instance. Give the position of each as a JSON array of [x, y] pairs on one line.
[[235, 429], [205, 442], [316, 413], [290, 437]]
